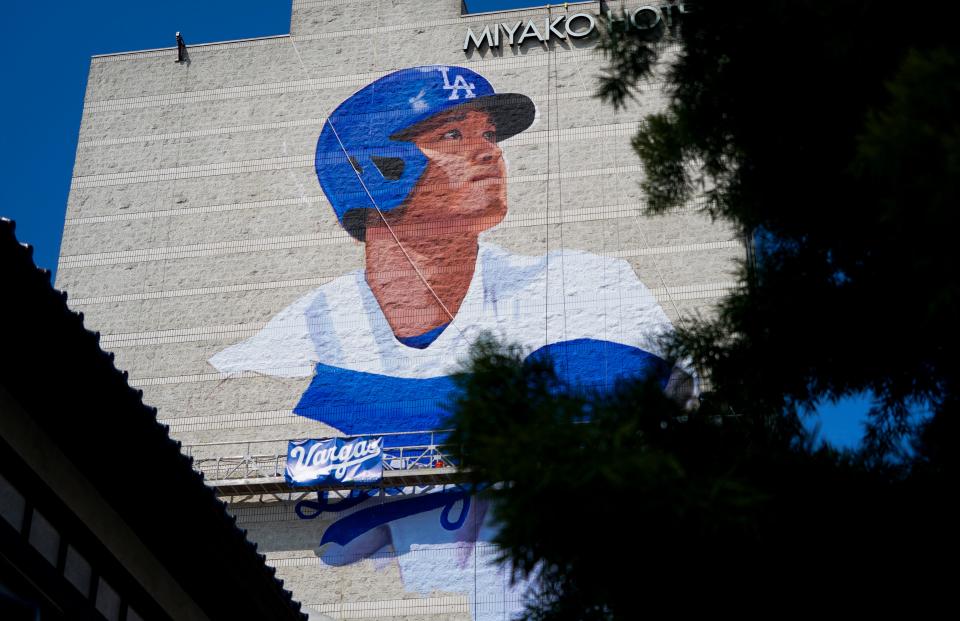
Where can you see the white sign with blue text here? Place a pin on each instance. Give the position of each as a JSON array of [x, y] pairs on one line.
[[334, 461]]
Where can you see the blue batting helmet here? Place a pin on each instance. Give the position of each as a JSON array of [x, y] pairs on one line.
[[368, 136]]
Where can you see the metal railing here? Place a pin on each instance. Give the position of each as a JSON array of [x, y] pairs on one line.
[[266, 459]]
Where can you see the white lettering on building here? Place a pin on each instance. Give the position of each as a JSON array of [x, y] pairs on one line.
[[459, 84], [576, 26]]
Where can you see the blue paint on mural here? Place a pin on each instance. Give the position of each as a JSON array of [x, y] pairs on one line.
[[594, 364], [312, 509], [422, 341], [347, 529], [364, 140], [359, 403], [412, 161]]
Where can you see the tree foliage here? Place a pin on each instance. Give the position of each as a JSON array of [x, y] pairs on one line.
[[826, 133], [648, 505]]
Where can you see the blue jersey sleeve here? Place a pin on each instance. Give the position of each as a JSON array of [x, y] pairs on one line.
[[599, 365], [359, 403]]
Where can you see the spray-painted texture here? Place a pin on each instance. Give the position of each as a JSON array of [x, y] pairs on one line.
[[301, 236]]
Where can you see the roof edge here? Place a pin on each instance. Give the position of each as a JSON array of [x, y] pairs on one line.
[[192, 45]]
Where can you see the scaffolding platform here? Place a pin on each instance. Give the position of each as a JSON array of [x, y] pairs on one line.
[[259, 470], [391, 478]]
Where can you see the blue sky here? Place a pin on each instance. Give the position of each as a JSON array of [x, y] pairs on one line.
[[47, 48], [480, 6]]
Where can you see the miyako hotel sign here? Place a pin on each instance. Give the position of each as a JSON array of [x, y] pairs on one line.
[[575, 26]]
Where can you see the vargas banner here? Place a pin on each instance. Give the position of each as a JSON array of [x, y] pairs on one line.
[[337, 460]]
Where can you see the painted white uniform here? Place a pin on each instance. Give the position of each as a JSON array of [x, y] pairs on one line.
[[340, 324]]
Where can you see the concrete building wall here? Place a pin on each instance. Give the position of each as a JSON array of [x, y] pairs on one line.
[[195, 217]]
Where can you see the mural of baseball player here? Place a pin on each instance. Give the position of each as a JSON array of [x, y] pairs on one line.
[[413, 168]]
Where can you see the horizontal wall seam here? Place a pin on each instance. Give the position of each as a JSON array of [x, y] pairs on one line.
[[205, 250], [193, 171], [200, 291], [192, 211], [282, 202], [300, 3], [283, 163], [198, 133], [287, 516], [296, 161], [524, 139], [531, 137], [419, 605], [241, 419], [335, 236], [253, 42], [335, 81], [416, 607], [268, 40], [300, 373], [177, 293], [435, 23], [282, 243], [236, 331], [195, 377], [160, 52], [483, 548], [341, 81]]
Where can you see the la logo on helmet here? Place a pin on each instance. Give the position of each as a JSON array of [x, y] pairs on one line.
[[459, 84]]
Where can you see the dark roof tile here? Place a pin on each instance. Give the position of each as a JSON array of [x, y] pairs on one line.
[[55, 368]]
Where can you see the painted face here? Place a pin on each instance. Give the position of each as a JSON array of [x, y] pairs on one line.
[[464, 182]]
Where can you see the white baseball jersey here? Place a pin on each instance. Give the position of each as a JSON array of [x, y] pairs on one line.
[[531, 301], [363, 376]]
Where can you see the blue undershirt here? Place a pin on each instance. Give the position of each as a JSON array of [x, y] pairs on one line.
[[357, 402], [422, 341]]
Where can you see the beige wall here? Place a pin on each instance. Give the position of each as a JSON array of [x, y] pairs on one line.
[[195, 216]]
